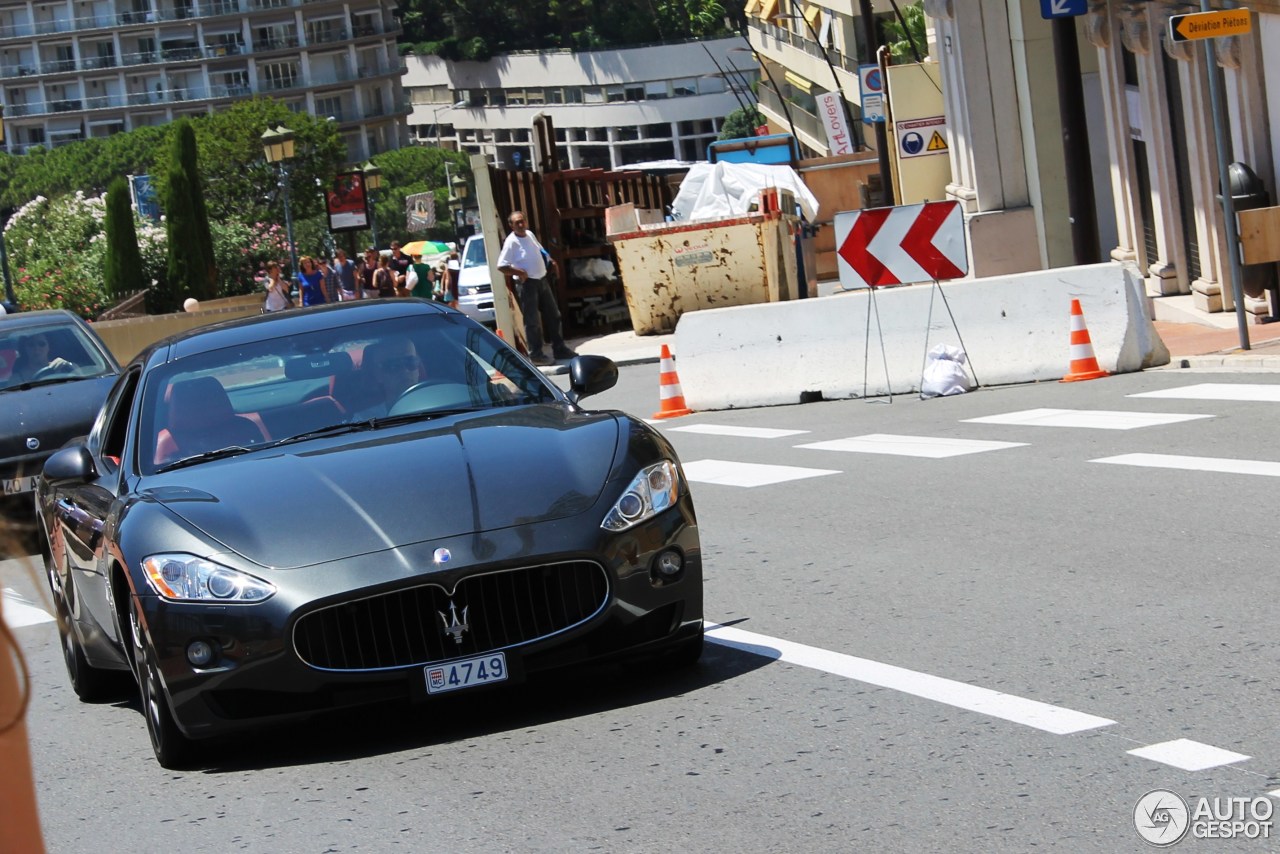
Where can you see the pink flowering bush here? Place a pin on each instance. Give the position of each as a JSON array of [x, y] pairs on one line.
[[242, 251], [58, 246]]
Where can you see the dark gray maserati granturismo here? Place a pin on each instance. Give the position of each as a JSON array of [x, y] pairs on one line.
[[363, 502]]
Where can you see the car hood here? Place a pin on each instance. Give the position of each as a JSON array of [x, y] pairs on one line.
[[51, 414], [324, 500]]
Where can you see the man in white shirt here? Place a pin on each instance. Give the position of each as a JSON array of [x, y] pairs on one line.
[[522, 258]]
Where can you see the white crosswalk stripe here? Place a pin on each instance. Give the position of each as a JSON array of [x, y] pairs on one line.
[[910, 446], [729, 473], [1188, 755], [20, 611], [1263, 392], [730, 430], [1220, 465], [1098, 419]]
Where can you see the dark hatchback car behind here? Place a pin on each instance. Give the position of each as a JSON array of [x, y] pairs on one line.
[[54, 374]]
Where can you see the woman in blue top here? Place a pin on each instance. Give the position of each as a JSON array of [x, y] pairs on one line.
[[310, 282]]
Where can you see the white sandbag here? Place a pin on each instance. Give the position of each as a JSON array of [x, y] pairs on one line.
[[944, 372]]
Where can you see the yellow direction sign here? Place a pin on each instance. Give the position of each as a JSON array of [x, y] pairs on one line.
[[1210, 25]]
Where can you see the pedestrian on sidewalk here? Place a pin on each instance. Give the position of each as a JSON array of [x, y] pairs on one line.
[[348, 277], [526, 262], [330, 282]]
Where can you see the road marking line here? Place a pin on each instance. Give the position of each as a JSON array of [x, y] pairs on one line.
[[1219, 391], [726, 473], [1187, 754], [18, 611], [1097, 419], [910, 446], [728, 430], [1019, 710], [1212, 464]]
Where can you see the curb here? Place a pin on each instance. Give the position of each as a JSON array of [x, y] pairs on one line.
[[1232, 361]]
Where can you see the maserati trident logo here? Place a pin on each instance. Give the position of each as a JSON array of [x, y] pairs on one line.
[[453, 627]]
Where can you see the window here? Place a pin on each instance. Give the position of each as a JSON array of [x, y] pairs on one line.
[[573, 95], [279, 75], [711, 85], [684, 86], [330, 106], [614, 94], [535, 96], [591, 95], [655, 90], [555, 96], [515, 97], [634, 92]]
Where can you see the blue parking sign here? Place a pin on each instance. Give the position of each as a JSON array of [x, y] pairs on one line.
[[1050, 9]]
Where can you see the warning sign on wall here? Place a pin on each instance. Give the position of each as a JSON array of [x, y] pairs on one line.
[[922, 137]]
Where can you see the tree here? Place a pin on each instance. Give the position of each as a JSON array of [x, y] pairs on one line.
[[901, 39], [741, 122], [415, 169], [122, 266], [188, 270], [184, 156]]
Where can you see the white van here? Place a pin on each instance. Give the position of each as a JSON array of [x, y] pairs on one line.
[[475, 291]]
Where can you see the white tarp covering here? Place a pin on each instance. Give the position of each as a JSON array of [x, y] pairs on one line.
[[725, 190]]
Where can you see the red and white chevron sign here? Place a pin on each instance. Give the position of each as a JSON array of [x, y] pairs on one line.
[[900, 245]]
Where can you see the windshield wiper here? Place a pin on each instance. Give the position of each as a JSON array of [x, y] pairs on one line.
[[331, 430], [424, 415], [47, 381], [229, 451]]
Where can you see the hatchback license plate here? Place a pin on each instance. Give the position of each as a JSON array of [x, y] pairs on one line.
[[19, 485], [466, 673]]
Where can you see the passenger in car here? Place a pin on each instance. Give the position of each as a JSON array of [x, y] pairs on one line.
[[392, 365]]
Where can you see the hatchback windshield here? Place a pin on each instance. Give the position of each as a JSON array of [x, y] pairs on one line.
[[48, 353], [356, 377]]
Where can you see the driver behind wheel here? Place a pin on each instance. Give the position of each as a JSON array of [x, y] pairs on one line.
[[393, 367], [33, 357]]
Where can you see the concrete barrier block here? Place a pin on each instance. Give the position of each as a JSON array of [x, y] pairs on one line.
[[1013, 328]]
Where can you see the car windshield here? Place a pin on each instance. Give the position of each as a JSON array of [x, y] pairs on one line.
[[354, 378], [474, 254], [55, 352]]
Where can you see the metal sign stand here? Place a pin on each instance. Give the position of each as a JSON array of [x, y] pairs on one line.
[[866, 348], [937, 289]]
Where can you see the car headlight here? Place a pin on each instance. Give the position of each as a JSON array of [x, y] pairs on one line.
[[470, 290], [653, 490], [187, 578]]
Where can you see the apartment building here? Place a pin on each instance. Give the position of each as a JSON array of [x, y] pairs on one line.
[[610, 108], [78, 69]]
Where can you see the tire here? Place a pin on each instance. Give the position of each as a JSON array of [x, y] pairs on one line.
[[173, 750], [89, 683]]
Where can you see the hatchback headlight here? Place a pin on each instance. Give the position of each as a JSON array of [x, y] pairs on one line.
[[653, 490], [187, 578]]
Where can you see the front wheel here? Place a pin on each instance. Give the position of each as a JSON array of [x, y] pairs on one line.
[[173, 749], [89, 683]]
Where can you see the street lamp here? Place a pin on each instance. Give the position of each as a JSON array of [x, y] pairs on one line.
[[372, 182], [277, 146], [458, 202]]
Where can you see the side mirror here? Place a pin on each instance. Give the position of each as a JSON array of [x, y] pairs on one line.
[[73, 463], [591, 375]]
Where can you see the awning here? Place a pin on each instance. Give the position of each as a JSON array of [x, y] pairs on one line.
[[797, 81], [768, 10], [811, 15]]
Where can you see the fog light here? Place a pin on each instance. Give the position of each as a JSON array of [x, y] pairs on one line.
[[200, 653], [670, 563]]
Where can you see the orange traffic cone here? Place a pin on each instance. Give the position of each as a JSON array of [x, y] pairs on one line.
[[671, 398], [1084, 365]]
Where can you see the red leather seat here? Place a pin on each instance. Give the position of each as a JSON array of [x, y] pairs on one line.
[[201, 418]]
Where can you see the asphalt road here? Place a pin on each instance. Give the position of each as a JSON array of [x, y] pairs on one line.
[[927, 652]]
